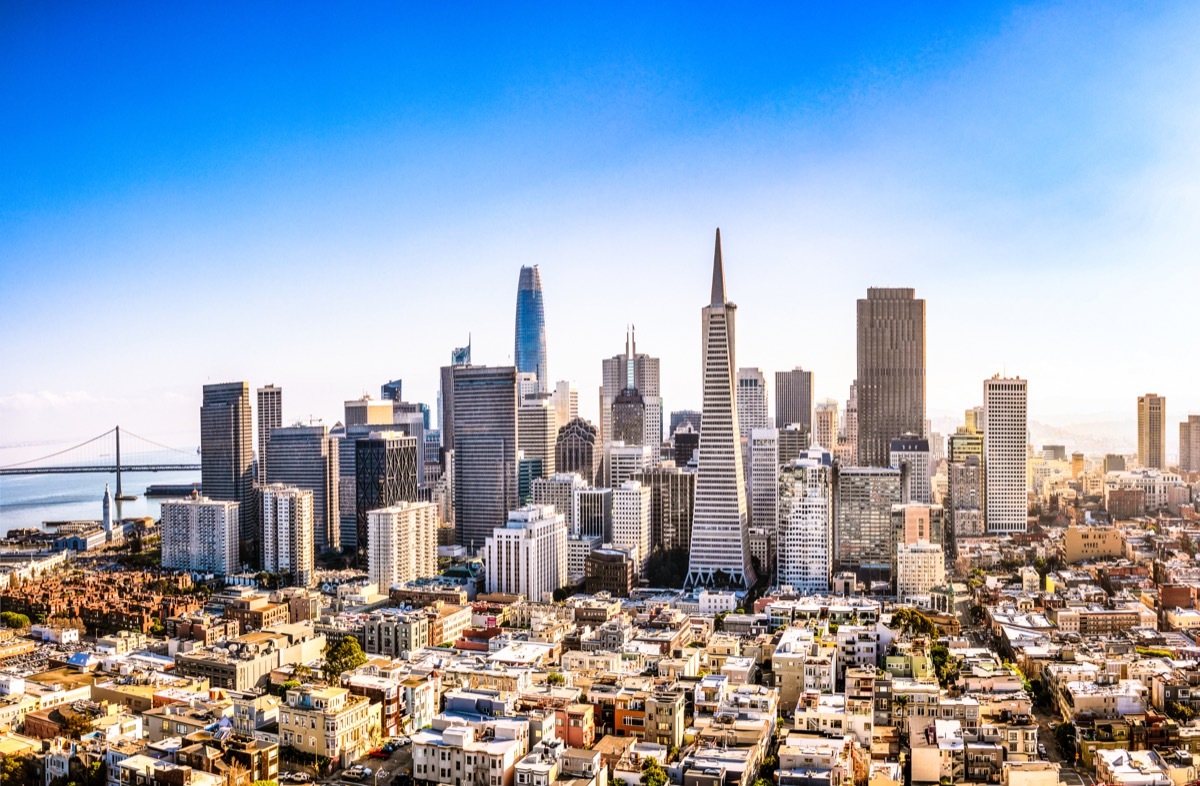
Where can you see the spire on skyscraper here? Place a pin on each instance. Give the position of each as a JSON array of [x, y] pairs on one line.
[[718, 281]]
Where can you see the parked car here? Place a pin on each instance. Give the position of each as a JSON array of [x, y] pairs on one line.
[[1042, 750], [380, 753]]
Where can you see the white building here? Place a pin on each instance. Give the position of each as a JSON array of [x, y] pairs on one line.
[[287, 536], [631, 521], [200, 535], [579, 548], [622, 462], [1155, 484], [919, 568], [537, 431], [804, 543], [1005, 455], [565, 400], [528, 555], [752, 400], [911, 453], [402, 543], [559, 490], [764, 477]]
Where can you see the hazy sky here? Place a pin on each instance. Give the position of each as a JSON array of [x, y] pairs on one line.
[[330, 197]]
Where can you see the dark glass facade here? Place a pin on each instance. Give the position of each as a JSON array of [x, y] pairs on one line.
[[529, 351]]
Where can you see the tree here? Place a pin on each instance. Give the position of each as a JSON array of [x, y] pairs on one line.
[[302, 673], [341, 657], [667, 567], [914, 623], [555, 678], [16, 769], [1064, 736], [75, 725], [284, 687], [1180, 712], [12, 619], [652, 773]]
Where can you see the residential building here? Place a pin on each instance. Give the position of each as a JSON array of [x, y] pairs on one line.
[[287, 545], [328, 721], [200, 535], [402, 542], [920, 567], [804, 543]]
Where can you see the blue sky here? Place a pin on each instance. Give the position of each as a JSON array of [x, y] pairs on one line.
[[327, 198]]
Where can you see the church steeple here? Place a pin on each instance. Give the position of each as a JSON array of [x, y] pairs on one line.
[[718, 281]]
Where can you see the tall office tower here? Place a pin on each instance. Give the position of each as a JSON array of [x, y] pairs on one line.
[[847, 449], [720, 547], [200, 535], [528, 555], [804, 539], [794, 441], [964, 503], [891, 371], [529, 345], [622, 462], [752, 400], [307, 457], [964, 442], [347, 484], [1005, 457], [631, 521], [287, 544], [270, 416], [1189, 444], [385, 474], [863, 537], [794, 398], [527, 386], [485, 450], [686, 442], [973, 420], [459, 357], [681, 416], [615, 375], [594, 512], [391, 391], [559, 490], [629, 417], [226, 459], [672, 497], [911, 453], [366, 411], [578, 449], [537, 433], [1152, 430], [825, 424], [409, 419], [528, 470], [764, 478], [565, 401], [403, 543]]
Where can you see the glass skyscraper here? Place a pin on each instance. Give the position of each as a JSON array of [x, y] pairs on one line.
[[529, 352]]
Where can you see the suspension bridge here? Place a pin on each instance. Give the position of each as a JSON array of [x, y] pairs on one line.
[[102, 454]]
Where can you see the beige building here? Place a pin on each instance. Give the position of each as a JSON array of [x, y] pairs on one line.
[[328, 722], [1084, 543], [1152, 444]]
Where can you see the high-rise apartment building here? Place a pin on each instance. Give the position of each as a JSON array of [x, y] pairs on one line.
[[385, 474], [825, 424], [307, 457], [270, 416], [794, 398], [673, 496], [1189, 444], [578, 449], [537, 432], [287, 544], [911, 454], [631, 521], [864, 541], [891, 371], [616, 373], [529, 345], [1152, 431], [403, 543], [1005, 454], [226, 459], [528, 555], [720, 548], [485, 450], [752, 400], [804, 539], [200, 535], [764, 478]]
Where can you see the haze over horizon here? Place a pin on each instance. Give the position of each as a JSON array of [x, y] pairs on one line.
[[327, 202]]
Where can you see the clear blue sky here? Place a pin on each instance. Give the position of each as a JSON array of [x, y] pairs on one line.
[[330, 197]]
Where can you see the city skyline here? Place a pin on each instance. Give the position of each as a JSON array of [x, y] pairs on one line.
[[804, 189]]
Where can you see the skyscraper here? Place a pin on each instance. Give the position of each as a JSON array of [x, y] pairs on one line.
[[391, 391], [616, 373], [485, 450], [1005, 455], [825, 424], [751, 400], [720, 549], [911, 453], [1189, 444], [565, 401], [529, 351], [631, 521], [673, 496], [287, 515], [459, 357], [864, 541], [385, 474], [307, 457], [764, 479], [578, 449], [270, 416], [804, 543], [200, 534], [226, 455], [1152, 430], [527, 555], [794, 398], [891, 371], [536, 432], [403, 543]]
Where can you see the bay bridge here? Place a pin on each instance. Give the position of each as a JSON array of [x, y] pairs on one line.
[[102, 454]]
